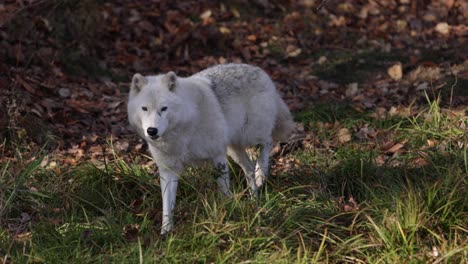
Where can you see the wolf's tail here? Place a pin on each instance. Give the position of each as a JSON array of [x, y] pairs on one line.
[[284, 123]]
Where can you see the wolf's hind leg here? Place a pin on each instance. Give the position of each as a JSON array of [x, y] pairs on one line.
[[222, 177], [238, 154], [262, 166]]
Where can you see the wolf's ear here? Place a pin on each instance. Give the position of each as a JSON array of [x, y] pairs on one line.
[[171, 80], [138, 81]]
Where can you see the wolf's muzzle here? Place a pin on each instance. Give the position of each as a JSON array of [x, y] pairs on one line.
[[152, 132]]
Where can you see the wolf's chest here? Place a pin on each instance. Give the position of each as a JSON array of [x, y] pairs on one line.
[[190, 150]]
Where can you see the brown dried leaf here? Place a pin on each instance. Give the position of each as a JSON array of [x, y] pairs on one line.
[[344, 135], [85, 106], [26, 85], [224, 30], [431, 143], [121, 145], [418, 162], [425, 72], [252, 38], [395, 72], [292, 51], [23, 236], [391, 147], [379, 160], [442, 28], [97, 149], [131, 232]]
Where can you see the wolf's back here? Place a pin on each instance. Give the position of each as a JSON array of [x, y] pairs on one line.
[[246, 81]]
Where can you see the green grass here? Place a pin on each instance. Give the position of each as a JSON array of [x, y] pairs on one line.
[[408, 212]]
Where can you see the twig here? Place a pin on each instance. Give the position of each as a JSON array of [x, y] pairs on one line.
[[451, 90], [291, 144], [321, 5]]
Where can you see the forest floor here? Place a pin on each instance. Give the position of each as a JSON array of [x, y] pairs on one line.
[[375, 172]]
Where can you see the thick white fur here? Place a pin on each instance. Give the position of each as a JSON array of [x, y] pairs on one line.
[[223, 109]]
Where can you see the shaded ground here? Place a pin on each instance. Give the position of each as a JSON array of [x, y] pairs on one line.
[[66, 65]]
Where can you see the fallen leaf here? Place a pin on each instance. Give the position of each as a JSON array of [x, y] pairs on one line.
[[351, 90], [292, 51], [235, 13], [121, 145], [206, 14], [131, 232], [96, 149], [435, 252], [252, 38], [85, 106], [25, 217], [422, 86], [381, 113], [399, 111], [23, 236], [379, 160], [224, 30], [322, 60], [365, 133], [442, 28], [206, 17], [393, 147], [418, 162], [350, 206], [26, 85], [344, 135], [64, 92], [429, 17], [337, 21], [424, 73], [395, 72]]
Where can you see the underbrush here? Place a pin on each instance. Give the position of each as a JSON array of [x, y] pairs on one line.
[[362, 200]]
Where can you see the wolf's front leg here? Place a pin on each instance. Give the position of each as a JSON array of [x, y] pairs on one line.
[[169, 181], [222, 175]]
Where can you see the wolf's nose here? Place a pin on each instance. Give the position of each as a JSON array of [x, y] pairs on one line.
[[152, 131]]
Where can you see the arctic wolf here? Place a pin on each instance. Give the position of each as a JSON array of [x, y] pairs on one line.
[[218, 111]]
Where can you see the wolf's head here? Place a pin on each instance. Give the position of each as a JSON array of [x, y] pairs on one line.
[[151, 104]]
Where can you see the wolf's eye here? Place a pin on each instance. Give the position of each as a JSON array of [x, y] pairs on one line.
[[164, 109], [144, 108]]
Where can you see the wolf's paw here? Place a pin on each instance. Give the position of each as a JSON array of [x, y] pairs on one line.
[[166, 227], [260, 179], [228, 194]]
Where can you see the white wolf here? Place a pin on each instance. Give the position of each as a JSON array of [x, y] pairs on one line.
[[223, 109]]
